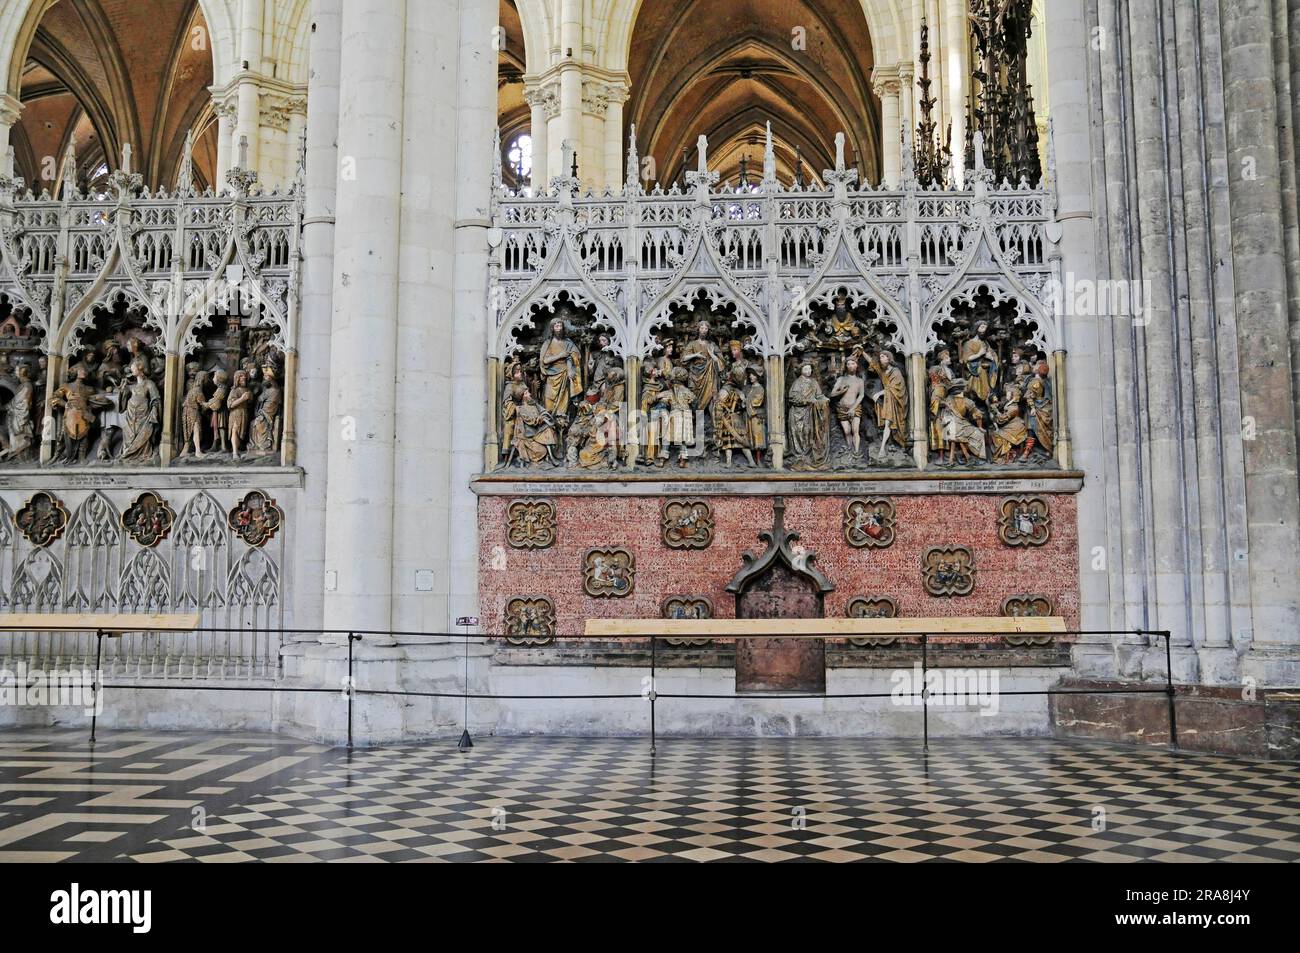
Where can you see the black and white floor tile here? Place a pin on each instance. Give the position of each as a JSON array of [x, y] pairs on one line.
[[220, 798]]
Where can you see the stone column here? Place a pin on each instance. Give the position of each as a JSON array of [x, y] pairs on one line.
[[10, 109], [536, 97], [225, 141], [316, 309], [1272, 494], [885, 83], [614, 142], [956, 56], [363, 355], [906, 96], [476, 117], [570, 70], [249, 123]]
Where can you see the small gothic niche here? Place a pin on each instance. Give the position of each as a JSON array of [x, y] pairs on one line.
[[989, 388], [231, 405], [109, 406], [562, 391], [22, 384]]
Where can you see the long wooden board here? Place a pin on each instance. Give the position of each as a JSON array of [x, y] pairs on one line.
[[820, 628], [109, 623]]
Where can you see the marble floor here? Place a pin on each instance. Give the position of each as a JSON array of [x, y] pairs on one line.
[[169, 796]]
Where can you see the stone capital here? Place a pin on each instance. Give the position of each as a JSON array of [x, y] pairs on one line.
[[885, 81], [544, 94], [10, 109]]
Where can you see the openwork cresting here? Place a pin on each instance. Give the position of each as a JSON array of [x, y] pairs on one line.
[[772, 261]]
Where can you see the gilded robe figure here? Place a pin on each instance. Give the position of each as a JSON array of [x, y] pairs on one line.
[[941, 377], [142, 416], [592, 440], [730, 428], [656, 388], [1038, 396], [808, 423], [1012, 431], [703, 361], [961, 422], [20, 428], [891, 401], [512, 396], [756, 412], [561, 364], [678, 424], [980, 362], [534, 432], [265, 432], [80, 404]]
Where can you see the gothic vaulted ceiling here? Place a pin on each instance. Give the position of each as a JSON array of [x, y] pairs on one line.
[[102, 73], [725, 69]]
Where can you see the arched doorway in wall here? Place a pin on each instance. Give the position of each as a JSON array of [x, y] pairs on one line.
[[782, 583], [725, 70]]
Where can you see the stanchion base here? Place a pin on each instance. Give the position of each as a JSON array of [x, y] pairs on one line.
[[465, 741]]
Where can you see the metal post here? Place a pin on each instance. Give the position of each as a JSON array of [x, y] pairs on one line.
[[1169, 692], [466, 742], [654, 642], [925, 690], [94, 683], [351, 688]]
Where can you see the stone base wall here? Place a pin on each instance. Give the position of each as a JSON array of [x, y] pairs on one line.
[[634, 522]]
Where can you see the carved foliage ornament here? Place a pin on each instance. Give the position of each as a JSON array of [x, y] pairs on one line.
[[869, 523], [1021, 606], [43, 519], [1024, 521], [529, 620], [687, 607], [256, 518], [871, 607], [530, 524], [687, 524], [608, 573], [148, 519], [948, 571]]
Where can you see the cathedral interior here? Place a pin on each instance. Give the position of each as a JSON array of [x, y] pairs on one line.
[[670, 375]]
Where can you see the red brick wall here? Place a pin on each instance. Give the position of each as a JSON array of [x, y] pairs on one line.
[[634, 522]]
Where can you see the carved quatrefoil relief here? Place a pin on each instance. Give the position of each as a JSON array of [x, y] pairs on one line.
[[608, 573], [256, 518], [687, 524], [869, 523], [530, 524], [43, 519], [1024, 521], [687, 607], [148, 519], [948, 571], [529, 620], [871, 607], [1028, 605]]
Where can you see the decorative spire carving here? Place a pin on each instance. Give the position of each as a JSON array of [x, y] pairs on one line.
[[769, 161], [633, 173], [933, 159]]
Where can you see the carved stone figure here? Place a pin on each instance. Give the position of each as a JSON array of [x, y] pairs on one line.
[[530, 524], [148, 519], [256, 518], [958, 419], [237, 407], [656, 395], [79, 404], [216, 408], [948, 571], [871, 607], [608, 572], [890, 401], [533, 435], [869, 523], [677, 425], [730, 423], [43, 519], [980, 363], [756, 412], [849, 392], [1027, 606], [142, 416], [264, 436], [808, 423], [1024, 521], [1038, 399], [687, 524], [192, 414], [20, 436], [1012, 432], [686, 607], [593, 437], [561, 365], [704, 362], [529, 620]]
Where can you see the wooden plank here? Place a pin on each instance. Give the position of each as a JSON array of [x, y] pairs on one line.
[[820, 628], [113, 623]]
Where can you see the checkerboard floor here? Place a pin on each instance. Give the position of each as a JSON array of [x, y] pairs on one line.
[[267, 798]]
